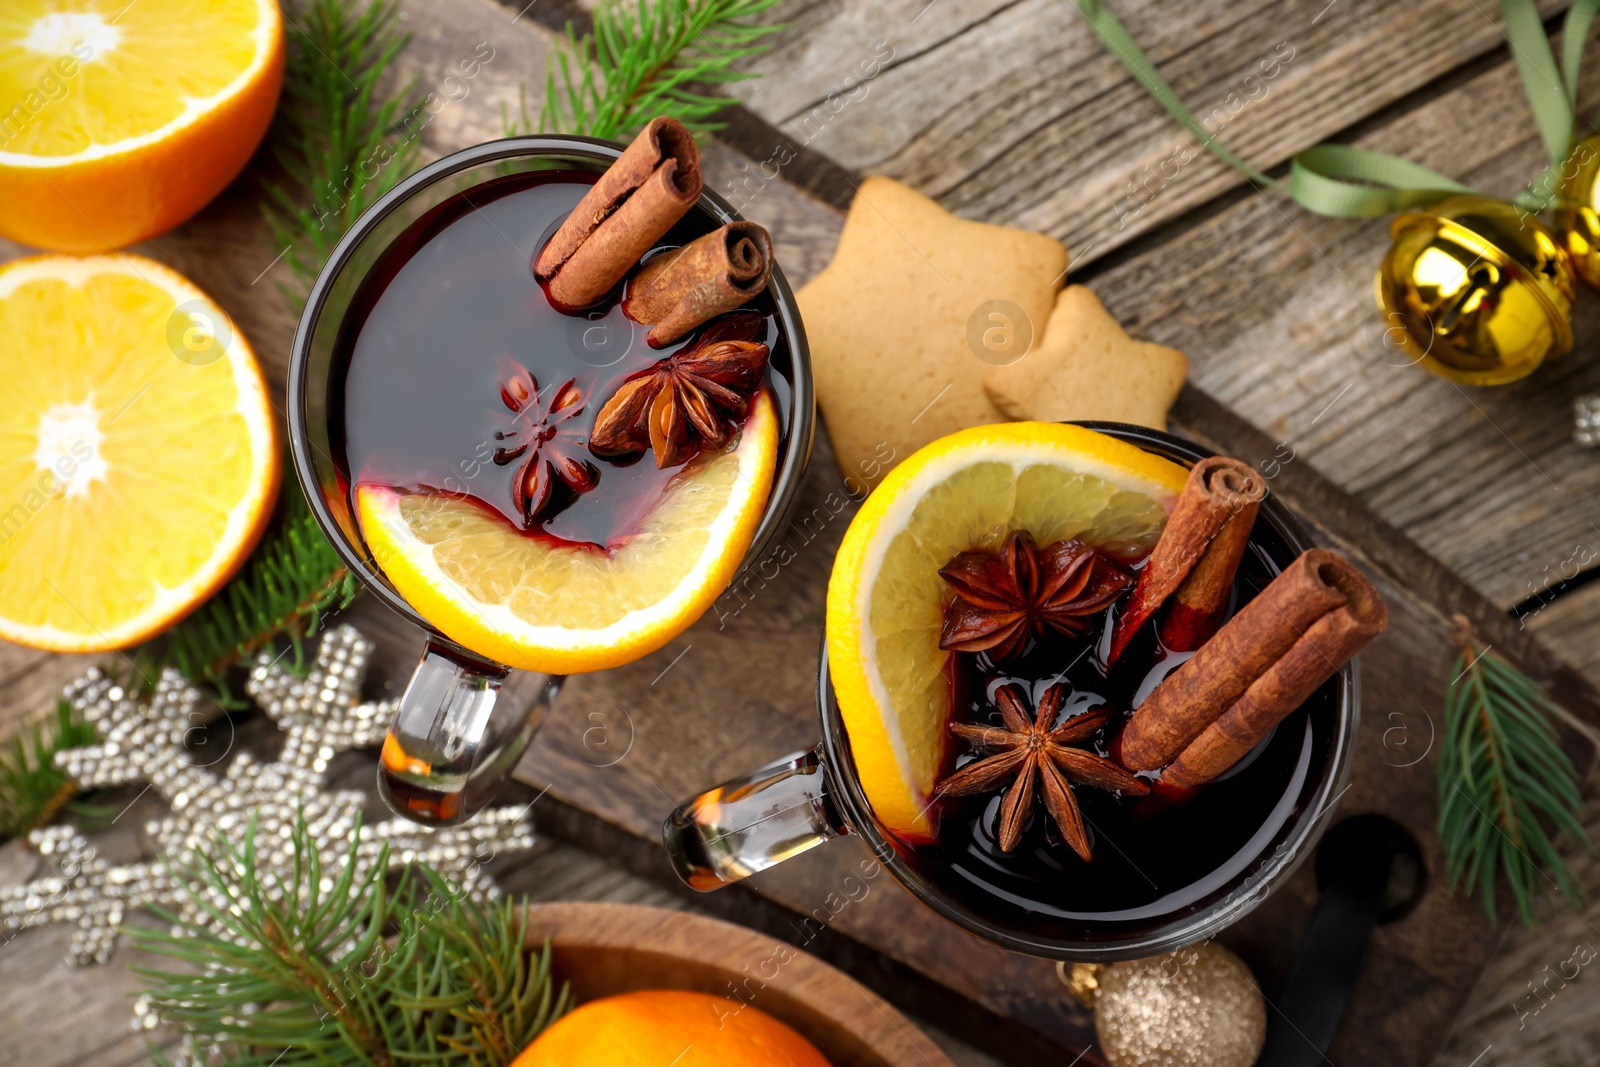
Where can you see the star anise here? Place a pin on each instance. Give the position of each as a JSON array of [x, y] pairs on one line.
[[1004, 598], [696, 397], [543, 432], [1024, 750]]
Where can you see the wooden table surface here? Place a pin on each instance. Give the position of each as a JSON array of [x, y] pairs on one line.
[[1009, 111]]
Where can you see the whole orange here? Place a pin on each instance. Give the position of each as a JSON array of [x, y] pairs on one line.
[[118, 121], [669, 1028]]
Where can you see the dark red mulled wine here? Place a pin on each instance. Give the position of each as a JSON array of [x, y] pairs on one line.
[[1156, 857], [450, 311]]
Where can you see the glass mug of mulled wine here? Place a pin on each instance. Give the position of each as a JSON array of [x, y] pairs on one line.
[[441, 402], [1168, 868]]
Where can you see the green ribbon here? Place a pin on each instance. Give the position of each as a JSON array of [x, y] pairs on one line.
[[1574, 32], [1348, 182], [1357, 183]]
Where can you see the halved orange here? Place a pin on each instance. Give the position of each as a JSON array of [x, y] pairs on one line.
[[138, 456], [560, 608], [886, 600], [126, 118]]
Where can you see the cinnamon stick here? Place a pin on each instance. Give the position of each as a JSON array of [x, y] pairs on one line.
[[678, 290], [634, 203], [1196, 558], [1259, 667]]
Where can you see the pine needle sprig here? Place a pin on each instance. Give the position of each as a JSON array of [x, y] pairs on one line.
[[1506, 788], [334, 969], [282, 947], [32, 790], [511, 996], [339, 140], [292, 579], [648, 58]]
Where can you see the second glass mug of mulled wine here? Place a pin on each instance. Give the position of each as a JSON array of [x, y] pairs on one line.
[[465, 718], [1214, 858]]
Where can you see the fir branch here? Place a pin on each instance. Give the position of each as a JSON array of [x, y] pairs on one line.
[[340, 141], [499, 996], [644, 59], [32, 790], [334, 969], [292, 578], [1506, 789]]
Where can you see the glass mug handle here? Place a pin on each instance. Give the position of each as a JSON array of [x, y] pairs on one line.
[[457, 734], [752, 823]]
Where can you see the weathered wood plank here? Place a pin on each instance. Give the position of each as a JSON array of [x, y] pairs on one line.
[[1536, 1001], [1015, 113], [1570, 624]]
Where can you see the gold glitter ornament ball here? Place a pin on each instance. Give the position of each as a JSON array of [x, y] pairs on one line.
[[1196, 1007]]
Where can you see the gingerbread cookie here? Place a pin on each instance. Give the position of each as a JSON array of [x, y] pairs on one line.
[[896, 322], [1086, 367]]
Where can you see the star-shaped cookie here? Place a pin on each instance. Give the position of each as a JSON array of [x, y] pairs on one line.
[[1087, 367], [903, 323]]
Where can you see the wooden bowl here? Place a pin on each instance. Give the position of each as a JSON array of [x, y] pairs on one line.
[[602, 949]]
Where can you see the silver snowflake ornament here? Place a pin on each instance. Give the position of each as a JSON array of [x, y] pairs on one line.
[[166, 742]]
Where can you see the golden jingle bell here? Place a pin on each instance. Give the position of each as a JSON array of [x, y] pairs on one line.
[[1577, 211], [1477, 290]]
